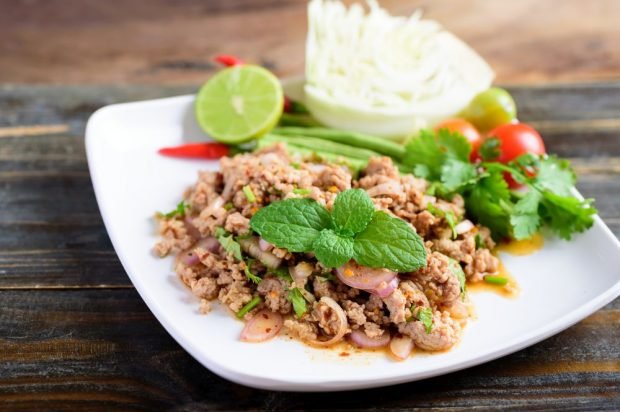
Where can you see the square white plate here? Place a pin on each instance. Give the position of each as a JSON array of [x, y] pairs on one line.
[[560, 284]]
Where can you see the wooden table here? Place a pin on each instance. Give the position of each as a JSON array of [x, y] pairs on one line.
[[74, 334]]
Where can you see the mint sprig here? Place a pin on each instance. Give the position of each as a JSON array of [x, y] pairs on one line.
[[353, 230]]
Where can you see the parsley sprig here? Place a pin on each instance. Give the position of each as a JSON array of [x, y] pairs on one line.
[[443, 159], [353, 230]]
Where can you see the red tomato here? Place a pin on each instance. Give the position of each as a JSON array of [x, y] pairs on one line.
[[516, 139], [466, 129]]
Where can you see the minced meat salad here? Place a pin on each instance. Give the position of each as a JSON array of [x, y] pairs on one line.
[[305, 247]]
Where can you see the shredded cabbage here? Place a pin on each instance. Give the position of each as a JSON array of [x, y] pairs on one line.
[[380, 64]]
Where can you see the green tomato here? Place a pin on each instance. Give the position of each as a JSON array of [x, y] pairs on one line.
[[491, 108]]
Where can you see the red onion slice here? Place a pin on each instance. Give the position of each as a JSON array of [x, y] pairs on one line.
[[342, 319], [401, 347], [301, 272], [361, 277], [264, 245], [362, 340], [464, 227], [385, 289], [191, 229], [189, 258], [264, 325], [208, 243]]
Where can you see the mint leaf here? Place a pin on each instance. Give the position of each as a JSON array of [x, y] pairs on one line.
[[388, 242], [298, 301], [333, 250], [228, 243], [352, 211], [425, 315], [293, 224], [525, 220], [457, 270]]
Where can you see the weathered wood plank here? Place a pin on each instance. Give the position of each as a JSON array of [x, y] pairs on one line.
[[88, 349], [172, 41]]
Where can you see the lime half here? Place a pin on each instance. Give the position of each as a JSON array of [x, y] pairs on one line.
[[239, 104]]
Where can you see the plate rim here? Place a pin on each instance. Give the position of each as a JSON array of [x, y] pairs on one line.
[[295, 383]]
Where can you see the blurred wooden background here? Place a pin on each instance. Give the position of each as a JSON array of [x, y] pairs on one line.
[[171, 42]]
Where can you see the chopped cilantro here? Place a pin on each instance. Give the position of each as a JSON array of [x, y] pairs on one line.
[[282, 273], [179, 211], [299, 303], [448, 216], [489, 149], [247, 191], [256, 300], [248, 273], [424, 315], [228, 243], [228, 206], [302, 192]]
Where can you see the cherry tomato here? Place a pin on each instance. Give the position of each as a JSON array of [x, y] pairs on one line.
[[466, 129], [491, 108], [516, 139]]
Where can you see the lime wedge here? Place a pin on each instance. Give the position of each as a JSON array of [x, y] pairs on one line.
[[239, 104]]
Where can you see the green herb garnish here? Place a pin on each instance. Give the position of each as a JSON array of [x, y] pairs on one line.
[[443, 159], [256, 300], [247, 191], [282, 273], [457, 270], [448, 216], [228, 243], [248, 273], [496, 280], [299, 302], [354, 230], [228, 206], [302, 192], [179, 211], [424, 315]]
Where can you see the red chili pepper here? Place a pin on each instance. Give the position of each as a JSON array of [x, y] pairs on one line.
[[196, 151], [288, 105], [228, 60]]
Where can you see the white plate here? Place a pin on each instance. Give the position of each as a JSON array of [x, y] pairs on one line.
[[560, 285]]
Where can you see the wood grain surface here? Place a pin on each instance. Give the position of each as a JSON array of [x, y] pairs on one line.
[[74, 334], [172, 41]]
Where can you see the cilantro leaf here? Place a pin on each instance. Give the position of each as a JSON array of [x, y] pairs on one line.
[[333, 250], [489, 203], [456, 174], [448, 216], [293, 224], [352, 211], [490, 149], [282, 273], [425, 315], [567, 215], [454, 144], [179, 211], [525, 220], [555, 175], [228, 243], [425, 155], [388, 242], [248, 273], [299, 303]]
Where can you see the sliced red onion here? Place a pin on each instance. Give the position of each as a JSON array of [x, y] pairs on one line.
[[189, 258], [401, 346], [251, 247], [362, 340], [361, 277], [191, 229], [342, 319], [210, 210], [389, 188], [301, 272], [385, 289], [264, 245], [464, 227], [208, 243], [263, 325]]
